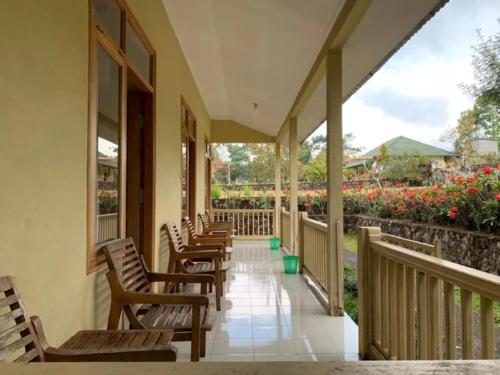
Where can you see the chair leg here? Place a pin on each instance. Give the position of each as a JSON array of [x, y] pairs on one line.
[[195, 334], [203, 344], [218, 289], [210, 288]]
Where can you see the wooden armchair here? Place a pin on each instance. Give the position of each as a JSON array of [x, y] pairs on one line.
[[184, 259], [208, 239], [22, 339], [223, 228], [189, 315]]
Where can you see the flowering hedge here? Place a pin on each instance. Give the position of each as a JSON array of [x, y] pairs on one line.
[[472, 202]]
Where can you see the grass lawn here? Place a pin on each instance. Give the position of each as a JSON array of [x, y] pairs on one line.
[[351, 242]]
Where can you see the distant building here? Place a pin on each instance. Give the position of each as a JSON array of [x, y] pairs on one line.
[[485, 147], [402, 146]]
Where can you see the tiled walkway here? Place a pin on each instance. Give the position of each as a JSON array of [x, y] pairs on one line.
[[270, 316]]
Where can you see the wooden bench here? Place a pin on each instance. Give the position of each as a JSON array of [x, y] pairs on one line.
[[189, 315], [184, 259], [208, 239], [22, 339]]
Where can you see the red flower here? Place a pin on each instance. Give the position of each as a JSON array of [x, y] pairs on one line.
[[497, 197], [472, 190], [452, 178], [471, 179], [401, 209], [438, 200], [460, 180], [369, 196], [486, 169], [443, 196], [454, 209], [498, 166], [452, 215]]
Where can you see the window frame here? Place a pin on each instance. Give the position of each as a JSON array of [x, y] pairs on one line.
[[189, 135], [98, 37]]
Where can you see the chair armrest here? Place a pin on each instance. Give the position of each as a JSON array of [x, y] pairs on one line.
[[222, 236], [208, 254], [210, 247], [130, 298], [180, 278], [211, 241]]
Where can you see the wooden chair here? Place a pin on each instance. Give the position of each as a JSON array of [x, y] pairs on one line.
[[214, 227], [22, 339], [207, 239], [183, 259], [189, 315]]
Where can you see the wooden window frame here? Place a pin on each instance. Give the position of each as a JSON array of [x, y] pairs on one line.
[[98, 37], [191, 136]]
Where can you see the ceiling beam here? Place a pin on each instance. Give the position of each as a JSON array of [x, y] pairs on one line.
[[348, 19]]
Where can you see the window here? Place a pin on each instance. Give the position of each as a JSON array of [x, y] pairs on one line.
[[188, 162], [112, 72]]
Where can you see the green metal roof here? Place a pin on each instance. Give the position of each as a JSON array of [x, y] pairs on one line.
[[354, 164], [401, 146]]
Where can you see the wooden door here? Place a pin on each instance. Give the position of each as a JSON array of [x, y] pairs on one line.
[[135, 168]]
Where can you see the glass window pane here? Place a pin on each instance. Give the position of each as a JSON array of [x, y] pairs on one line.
[[137, 53], [108, 17], [108, 147]]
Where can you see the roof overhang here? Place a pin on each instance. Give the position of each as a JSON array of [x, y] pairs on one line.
[[259, 62]]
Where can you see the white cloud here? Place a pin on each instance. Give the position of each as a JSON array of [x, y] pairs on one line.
[[430, 66]]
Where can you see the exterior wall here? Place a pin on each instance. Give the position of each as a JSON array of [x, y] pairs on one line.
[[228, 131], [43, 153]]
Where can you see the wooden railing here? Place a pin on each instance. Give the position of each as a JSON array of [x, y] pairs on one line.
[[401, 292], [285, 229], [314, 248], [107, 227], [258, 223]]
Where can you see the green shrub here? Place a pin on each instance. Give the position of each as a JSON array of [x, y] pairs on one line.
[[216, 192]]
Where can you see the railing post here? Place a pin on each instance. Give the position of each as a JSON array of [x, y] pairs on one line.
[[365, 284], [302, 217], [277, 190]]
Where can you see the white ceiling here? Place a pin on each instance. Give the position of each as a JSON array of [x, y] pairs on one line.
[[243, 52]]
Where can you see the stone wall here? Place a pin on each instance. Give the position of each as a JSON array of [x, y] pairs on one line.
[[472, 249]]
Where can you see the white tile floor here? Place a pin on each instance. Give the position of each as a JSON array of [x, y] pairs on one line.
[[271, 316]]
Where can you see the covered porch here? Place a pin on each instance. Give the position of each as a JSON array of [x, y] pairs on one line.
[[153, 84]]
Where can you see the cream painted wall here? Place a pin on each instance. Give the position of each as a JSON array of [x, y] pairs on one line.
[[229, 131], [43, 155]]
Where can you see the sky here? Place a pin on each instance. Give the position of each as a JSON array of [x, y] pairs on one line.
[[416, 93]]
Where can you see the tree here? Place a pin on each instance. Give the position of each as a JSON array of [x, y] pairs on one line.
[[261, 164], [348, 148], [483, 120], [239, 158]]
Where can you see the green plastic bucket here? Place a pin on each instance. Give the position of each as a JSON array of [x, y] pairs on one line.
[[274, 243], [290, 263]]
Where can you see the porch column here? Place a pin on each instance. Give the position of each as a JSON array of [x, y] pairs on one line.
[[277, 189], [294, 156], [335, 254]]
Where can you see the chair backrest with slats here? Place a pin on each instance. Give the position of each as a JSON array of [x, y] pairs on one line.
[[124, 260], [176, 246], [204, 221], [18, 341], [192, 235]]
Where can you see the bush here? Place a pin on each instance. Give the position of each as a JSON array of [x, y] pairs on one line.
[[472, 202], [216, 192]]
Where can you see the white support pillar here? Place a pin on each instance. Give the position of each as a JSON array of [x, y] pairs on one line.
[[335, 180], [294, 156], [277, 189]]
